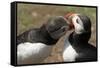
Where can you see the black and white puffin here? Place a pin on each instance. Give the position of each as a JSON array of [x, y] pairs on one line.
[[76, 46], [34, 45]]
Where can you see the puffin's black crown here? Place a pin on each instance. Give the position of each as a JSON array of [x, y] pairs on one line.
[[86, 22]]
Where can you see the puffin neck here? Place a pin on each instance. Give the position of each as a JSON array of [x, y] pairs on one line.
[[77, 39], [47, 36]]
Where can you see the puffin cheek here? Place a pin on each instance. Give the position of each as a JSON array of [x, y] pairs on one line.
[[79, 29], [57, 34]]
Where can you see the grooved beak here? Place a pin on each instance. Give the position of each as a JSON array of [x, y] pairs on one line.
[[69, 18]]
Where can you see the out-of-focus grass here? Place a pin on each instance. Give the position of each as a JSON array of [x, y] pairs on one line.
[[33, 16]]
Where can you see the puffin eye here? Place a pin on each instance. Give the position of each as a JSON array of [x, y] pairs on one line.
[[77, 21], [64, 28]]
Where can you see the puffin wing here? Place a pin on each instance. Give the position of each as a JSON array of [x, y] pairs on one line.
[[88, 54]]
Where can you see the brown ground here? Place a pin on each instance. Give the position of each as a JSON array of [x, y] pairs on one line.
[[33, 16]]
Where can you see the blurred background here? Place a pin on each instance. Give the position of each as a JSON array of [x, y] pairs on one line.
[[33, 16]]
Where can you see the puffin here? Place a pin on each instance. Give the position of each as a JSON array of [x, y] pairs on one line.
[[76, 46], [35, 45]]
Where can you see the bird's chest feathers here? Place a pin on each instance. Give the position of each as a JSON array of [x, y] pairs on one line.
[[33, 51], [69, 53]]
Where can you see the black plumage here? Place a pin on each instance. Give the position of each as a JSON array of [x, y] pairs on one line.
[[79, 39], [35, 36], [49, 33], [85, 50]]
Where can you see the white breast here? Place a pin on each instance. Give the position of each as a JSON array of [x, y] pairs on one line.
[[69, 54], [30, 53]]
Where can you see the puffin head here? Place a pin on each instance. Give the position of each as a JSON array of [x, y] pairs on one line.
[[57, 26], [81, 23]]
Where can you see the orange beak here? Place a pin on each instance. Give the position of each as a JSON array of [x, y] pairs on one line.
[[68, 17]]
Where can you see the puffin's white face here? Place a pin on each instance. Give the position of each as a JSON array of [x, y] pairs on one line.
[[78, 24], [81, 23]]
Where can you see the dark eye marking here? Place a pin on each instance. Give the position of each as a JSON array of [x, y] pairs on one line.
[[77, 21], [63, 28]]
